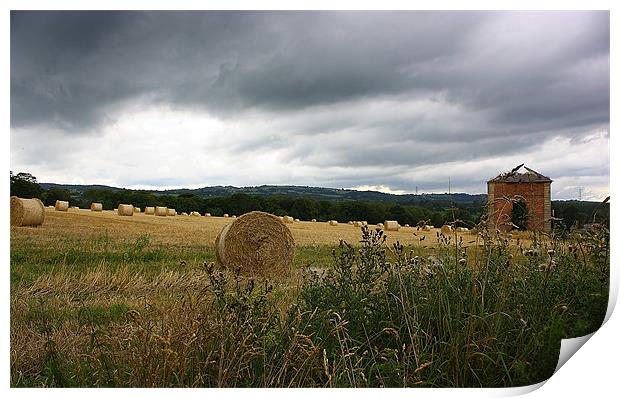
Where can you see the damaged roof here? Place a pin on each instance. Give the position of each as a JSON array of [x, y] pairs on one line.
[[515, 176]]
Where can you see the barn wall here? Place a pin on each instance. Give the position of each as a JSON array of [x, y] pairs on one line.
[[537, 198]]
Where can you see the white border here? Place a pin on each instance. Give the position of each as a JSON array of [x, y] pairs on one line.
[[592, 371]]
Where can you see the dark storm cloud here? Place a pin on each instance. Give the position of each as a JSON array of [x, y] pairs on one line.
[[71, 68]]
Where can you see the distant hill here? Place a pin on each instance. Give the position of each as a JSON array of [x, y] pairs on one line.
[[294, 191]]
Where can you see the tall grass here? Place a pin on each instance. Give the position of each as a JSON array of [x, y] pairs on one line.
[[491, 315]]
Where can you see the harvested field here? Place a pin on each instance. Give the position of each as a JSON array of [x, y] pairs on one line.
[[202, 230]]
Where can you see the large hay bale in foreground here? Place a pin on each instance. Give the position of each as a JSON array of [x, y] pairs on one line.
[[27, 212], [288, 219], [125, 210], [446, 229], [96, 206], [150, 210], [161, 211], [256, 243], [61, 205], [390, 225]]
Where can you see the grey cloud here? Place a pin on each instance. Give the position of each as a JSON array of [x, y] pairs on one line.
[[69, 68], [392, 90]]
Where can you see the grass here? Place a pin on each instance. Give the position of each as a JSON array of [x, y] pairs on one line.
[[104, 307]]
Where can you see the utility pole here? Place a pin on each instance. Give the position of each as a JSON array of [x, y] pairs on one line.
[[580, 194], [449, 186], [416, 190]]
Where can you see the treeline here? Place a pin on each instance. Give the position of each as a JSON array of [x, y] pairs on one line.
[[436, 212], [302, 208], [573, 214]]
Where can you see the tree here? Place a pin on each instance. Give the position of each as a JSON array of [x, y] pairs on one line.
[[25, 185], [571, 216], [53, 194]]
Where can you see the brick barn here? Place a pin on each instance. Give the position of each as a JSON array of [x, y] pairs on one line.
[[530, 191]]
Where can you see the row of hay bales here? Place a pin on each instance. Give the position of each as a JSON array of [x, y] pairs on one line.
[[290, 220], [128, 210], [448, 229], [358, 223]]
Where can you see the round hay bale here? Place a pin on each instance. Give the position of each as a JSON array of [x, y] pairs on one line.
[[27, 212], [96, 206], [350, 223], [194, 214], [161, 211], [171, 212], [426, 228], [226, 215], [256, 243], [357, 224], [446, 229], [288, 220], [406, 225], [125, 210], [233, 216], [61, 205], [364, 223], [184, 214], [333, 223], [137, 210], [75, 207], [297, 220], [390, 225], [207, 214], [380, 225], [149, 210], [313, 220]]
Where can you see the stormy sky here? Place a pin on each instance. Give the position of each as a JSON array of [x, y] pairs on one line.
[[388, 101]]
